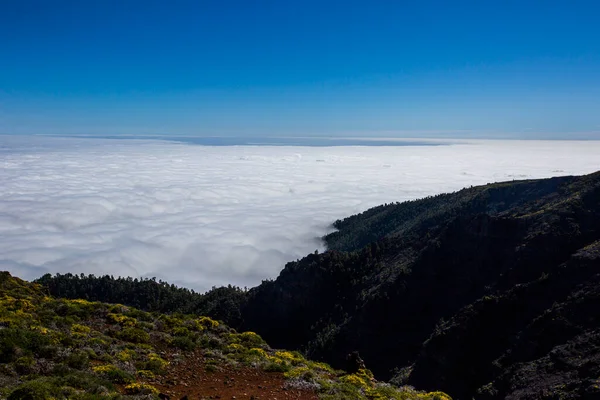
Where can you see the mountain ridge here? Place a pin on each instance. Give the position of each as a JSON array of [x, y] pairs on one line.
[[436, 256]]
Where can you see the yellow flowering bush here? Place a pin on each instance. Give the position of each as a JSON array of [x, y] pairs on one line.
[[355, 380], [40, 329], [181, 331], [144, 373], [207, 322], [234, 348], [82, 329], [251, 339], [140, 388], [102, 369], [288, 356], [320, 366], [112, 373], [257, 352], [125, 355], [155, 358], [121, 319], [297, 372]]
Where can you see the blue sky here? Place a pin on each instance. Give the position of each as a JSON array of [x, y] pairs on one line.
[[335, 68]]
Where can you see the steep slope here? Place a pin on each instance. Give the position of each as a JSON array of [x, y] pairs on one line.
[[395, 273], [75, 349]]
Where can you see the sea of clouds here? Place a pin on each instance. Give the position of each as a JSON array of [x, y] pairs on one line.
[[200, 216]]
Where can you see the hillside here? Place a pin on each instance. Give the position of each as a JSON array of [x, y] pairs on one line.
[[490, 292], [76, 349], [486, 292]]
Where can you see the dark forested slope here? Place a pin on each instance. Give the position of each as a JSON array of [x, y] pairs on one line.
[[223, 303], [459, 284]]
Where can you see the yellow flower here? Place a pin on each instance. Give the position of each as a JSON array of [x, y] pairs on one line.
[[102, 369], [288, 356], [296, 372], [156, 357], [354, 380], [257, 352], [125, 355], [208, 322], [140, 388], [234, 347], [146, 374], [77, 328]]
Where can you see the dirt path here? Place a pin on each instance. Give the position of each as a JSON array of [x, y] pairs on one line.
[[190, 378]]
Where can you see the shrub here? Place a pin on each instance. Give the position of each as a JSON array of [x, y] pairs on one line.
[[85, 381], [354, 380], [140, 388], [14, 340], [234, 348], [155, 364], [144, 373], [113, 374], [292, 357], [251, 339], [140, 315], [122, 320], [257, 353], [211, 342], [299, 372], [24, 365], [134, 335], [183, 343], [35, 390], [207, 322], [71, 309], [126, 355], [181, 331], [82, 329], [77, 360], [277, 367]]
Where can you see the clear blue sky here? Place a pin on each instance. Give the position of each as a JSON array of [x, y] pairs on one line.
[[286, 67]]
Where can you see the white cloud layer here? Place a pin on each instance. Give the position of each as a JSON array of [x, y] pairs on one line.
[[202, 216]]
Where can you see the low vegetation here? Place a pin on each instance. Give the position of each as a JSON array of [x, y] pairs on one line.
[[77, 349]]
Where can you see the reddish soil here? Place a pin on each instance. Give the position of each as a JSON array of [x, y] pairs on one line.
[[190, 378]]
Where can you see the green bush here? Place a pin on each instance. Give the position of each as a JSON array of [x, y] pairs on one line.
[[61, 370], [251, 339], [134, 335], [49, 352], [211, 342], [277, 367], [153, 365], [77, 360], [16, 340], [113, 374], [184, 343], [24, 365], [119, 376], [140, 315], [35, 390], [85, 381]]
